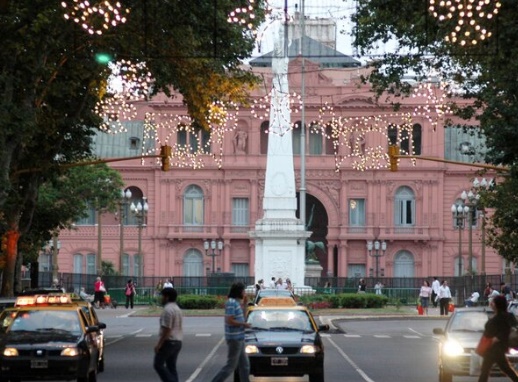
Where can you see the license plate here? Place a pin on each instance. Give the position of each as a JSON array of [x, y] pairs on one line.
[[39, 364], [279, 361]]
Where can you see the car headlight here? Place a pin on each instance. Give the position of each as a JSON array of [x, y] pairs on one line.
[[10, 352], [251, 349], [70, 352], [452, 348], [308, 349]]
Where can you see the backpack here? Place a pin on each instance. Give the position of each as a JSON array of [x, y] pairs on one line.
[[129, 290]]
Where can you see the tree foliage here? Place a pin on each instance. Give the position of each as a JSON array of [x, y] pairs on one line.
[[484, 73]]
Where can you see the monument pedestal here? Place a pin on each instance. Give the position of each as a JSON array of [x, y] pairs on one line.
[[313, 268]]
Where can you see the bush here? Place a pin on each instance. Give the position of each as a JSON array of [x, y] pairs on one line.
[[344, 300], [197, 302]]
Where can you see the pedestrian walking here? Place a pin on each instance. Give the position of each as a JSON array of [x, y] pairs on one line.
[[362, 286], [378, 287], [170, 337], [424, 295], [235, 335], [99, 292], [168, 284], [444, 297], [272, 284], [435, 291], [130, 293], [498, 328]]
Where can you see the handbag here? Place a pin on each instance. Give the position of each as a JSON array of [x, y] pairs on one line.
[[484, 345], [451, 308], [102, 288]]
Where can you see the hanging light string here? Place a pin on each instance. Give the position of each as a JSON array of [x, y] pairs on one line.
[[95, 18]]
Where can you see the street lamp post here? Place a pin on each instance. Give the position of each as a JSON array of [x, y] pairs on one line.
[[140, 210], [56, 246], [123, 202], [483, 185], [459, 213], [470, 200], [213, 244], [377, 245]]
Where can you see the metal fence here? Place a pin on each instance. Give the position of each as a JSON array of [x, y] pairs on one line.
[[399, 290]]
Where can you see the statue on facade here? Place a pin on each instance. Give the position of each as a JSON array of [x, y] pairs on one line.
[[239, 141], [312, 246]]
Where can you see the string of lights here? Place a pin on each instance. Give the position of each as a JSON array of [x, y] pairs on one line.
[[95, 18]]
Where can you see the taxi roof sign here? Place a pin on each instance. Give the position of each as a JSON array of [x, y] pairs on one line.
[[50, 299]]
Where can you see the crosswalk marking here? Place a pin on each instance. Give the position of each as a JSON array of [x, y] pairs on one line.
[[412, 337], [325, 335], [143, 335], [203, 335], [352, 335], [381, 336]]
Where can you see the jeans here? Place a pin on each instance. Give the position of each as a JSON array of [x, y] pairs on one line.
[[129, 301], [237, 358], [165, 361]]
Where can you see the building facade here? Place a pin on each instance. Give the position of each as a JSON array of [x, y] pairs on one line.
[[408, 211]]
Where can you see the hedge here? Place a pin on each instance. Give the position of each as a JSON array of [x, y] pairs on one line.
[[198, 302], [345, 300]]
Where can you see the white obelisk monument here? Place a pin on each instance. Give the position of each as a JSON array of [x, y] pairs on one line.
[[279, 236]]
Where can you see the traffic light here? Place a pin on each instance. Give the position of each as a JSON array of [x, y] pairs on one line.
[[165, 157], [393, 152]]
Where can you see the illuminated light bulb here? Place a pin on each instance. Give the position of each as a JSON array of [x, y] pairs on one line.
[[94, 18]]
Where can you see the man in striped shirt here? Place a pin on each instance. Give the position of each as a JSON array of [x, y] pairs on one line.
[[235, 335]]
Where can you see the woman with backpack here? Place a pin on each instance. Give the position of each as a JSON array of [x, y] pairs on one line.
[[130, 293]]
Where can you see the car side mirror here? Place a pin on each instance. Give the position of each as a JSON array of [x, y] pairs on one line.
[[92, 329], [438, 331], [323, 328], [101, 325]]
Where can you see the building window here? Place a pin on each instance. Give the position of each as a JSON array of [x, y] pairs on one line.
[[409, 140], [241, 269], [264, 136], [295, 136], [193, 206], [330, 141], [137, 266], [134, 143], [464, 144], [125, 265], [315, 142], [193, 263], [194, 141], [78, 263], [91, 264], [136, 197], [240, 212], [357, 212], [90, 215], [404, 209], [404, 264]]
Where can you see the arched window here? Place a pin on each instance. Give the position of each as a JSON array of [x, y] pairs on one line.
[[78, 263], [416, 135], [91, 264], [125, 265], [295, 136], [136, 197], [404, 207], [137, 266], [316, 146], [193, 206], [193, 263], [404, 265], [264, 136], [91, 215]]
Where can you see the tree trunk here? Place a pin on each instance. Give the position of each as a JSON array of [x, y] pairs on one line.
[[11, 252]]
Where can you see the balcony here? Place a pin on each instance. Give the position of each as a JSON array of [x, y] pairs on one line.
[[108, 231], [421, 233]]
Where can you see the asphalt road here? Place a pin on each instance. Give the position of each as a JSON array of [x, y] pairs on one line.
[[369, 351]]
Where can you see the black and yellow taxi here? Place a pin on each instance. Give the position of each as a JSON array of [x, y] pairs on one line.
[[47, 337], [284, 341]]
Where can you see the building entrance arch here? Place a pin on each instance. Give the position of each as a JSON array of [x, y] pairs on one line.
[[404, 264], [193, 263]]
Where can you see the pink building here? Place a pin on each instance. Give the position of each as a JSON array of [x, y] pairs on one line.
[[408, 211]]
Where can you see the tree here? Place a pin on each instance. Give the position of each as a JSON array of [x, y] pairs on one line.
[[484, 73], [50, 83]]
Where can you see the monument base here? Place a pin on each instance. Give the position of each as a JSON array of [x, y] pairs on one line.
[[313, 268]]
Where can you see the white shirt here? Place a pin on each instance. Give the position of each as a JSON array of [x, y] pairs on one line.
[[444, 292], [272, 284], [167, 284], [474, 297], [435, 286]]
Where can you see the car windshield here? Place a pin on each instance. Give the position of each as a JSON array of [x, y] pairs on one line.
[[46, 321], [468, 321], [280, 320]]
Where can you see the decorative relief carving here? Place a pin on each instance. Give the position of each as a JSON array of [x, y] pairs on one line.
[[357, 186]]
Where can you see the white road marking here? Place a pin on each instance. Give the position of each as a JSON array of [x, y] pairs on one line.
[[126, 315], [120, 338], [416, 332], [205, 361], [350, 361], [202, 335], [352, 335], [325, 335], [145, 335], [412, 337], [136, 332], [381, 336]]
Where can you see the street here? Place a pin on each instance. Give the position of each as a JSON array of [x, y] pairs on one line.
[[368, 351]]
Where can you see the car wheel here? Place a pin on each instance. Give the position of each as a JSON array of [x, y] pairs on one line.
[[444, 377], [317, 377], [100, 367]]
